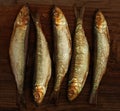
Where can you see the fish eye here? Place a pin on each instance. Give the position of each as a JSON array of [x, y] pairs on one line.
[[56, 14], [21, 13]]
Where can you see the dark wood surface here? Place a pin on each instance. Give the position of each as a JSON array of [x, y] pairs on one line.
[[109, 90]]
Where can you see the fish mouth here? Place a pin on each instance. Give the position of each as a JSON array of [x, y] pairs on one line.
[[57, 15], [25, 10], [73, 92], [38, 94], [23, 16], [56, 12], [99, 20]]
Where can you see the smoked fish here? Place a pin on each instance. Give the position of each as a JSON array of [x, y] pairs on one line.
[[62, 48], [18, 47], [42, 64], [80, 58], [101, 53]]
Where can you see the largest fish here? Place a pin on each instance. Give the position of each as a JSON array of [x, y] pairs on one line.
[[80, 58], [102, 49], [62, 48], [18, 47]]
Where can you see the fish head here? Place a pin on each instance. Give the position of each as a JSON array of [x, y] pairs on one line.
[[73, 89], [23, 16], [38, 94], [58, 16], [100, 20]]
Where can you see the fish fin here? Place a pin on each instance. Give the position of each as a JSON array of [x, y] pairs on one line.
[[36, 18], [21, 102], [54, 97], [93, 97], [79, 12], [76, 11], [108, 36]]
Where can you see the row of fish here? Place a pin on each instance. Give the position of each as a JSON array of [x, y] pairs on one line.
[[74, 55]]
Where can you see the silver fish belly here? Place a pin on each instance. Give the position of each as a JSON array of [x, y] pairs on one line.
[[42, 65], [102, 48], [62, 47], [80, 59], [18, 47]]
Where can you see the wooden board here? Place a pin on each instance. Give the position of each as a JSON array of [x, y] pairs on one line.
[[109, 91]]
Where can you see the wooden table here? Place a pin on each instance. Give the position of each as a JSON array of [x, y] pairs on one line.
[[109, 90]]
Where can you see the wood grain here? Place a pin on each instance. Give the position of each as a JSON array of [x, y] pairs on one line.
[[109, 91]]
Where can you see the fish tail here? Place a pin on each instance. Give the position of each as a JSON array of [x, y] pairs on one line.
[[21, 102], [36, 18], [56, 90], [76, 11], [54, 97], [79, 12], [93, 97]]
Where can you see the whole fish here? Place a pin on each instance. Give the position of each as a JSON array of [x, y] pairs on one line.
[[42, 64], [62, 48], [18, 47], [80, 58], [102, 48]]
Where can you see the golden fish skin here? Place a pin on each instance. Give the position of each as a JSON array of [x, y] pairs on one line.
[[18, 47], [42, 64], [80, 59], [62, 47], [102, 48]]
